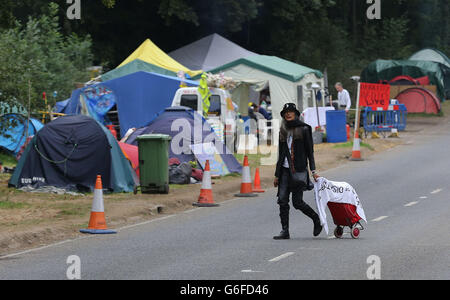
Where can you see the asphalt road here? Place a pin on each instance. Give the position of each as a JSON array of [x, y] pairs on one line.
[[405, 195]]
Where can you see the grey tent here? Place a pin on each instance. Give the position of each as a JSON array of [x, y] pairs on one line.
[[430, 54], [209, 53]]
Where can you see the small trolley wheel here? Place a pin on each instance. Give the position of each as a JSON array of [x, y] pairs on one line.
[[338, 232], [355, 232]]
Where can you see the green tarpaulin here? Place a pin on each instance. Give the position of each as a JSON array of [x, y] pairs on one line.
[[389, 69], [136, 66]]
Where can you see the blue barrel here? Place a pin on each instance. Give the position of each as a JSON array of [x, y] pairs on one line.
[[336, 126]]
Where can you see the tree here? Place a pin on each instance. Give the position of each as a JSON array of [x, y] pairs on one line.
[[38, 53]]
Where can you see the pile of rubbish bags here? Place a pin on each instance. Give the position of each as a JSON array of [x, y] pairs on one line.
[[183, 173]]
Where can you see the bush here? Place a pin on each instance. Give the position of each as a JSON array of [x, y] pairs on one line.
[[37, 53]]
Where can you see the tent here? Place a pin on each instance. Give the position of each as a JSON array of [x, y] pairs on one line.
[[139, 97], [389, 69], [186, 127], [136, 66], [288, 81], [151, 59], [403, 80], [69, 153], [419, 100], [15, 132], [430, 54], [209, 53]]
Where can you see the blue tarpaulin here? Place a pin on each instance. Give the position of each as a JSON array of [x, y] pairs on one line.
[[15, 135], [139, 98]]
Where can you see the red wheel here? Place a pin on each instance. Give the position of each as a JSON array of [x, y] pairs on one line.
[[338, 232], [355, 232]]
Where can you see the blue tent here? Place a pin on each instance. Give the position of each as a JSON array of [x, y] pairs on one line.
[[15, 133], [139, 97], [186, 127]]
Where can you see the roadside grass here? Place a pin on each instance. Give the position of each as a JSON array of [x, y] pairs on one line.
[[350, 145], [6, 204], [425, 115], [254, 160]]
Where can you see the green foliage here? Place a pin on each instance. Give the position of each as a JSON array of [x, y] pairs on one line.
[[35, 57]]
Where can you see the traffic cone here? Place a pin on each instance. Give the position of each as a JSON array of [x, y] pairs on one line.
[[257, 184], [246, 185], [206, 197], [356, 154], [97, 222]]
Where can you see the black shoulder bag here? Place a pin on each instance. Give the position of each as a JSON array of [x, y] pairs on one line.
[[301, 178]]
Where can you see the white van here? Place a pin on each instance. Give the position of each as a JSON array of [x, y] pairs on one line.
[[220, 115]]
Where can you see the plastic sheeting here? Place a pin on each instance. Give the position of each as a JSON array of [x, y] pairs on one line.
[[139, 96]]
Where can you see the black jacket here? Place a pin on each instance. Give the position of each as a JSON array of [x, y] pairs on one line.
[[303, 147]]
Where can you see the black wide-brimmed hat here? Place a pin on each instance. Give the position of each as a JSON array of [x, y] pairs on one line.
[[290, 107]]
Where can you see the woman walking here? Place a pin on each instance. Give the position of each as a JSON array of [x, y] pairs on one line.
[[296, 149]]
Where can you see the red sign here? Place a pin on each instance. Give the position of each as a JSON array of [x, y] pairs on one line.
[[375, 95]]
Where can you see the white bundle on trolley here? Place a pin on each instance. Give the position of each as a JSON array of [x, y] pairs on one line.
[[344, 204]]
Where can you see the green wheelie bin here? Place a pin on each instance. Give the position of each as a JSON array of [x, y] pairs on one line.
[[154, 163]]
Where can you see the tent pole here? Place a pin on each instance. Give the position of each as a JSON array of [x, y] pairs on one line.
[[28, 117]]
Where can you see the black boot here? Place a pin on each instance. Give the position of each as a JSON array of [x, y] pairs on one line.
[[284, 234], [307, 210], [317, 227]]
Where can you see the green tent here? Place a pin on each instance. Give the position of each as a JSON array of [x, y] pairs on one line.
[[136, 66], [430, 54], [288, 81], [389, 69]]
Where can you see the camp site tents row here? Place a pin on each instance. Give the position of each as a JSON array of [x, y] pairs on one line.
[[70, 151], [288, 82], [428, 62]]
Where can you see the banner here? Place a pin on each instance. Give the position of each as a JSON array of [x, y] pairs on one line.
[[375, 95]]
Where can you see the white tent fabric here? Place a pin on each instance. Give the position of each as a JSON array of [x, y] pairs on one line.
[[282, 91], [209, 52]]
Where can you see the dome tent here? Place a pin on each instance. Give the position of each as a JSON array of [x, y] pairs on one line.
[[69, 153], [177, 117], [419, 100]]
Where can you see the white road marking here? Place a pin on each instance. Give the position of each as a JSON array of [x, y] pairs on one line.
[[436, 191], [281, 257], [251, 271], [379, 219], [411, 204], [423, 197]]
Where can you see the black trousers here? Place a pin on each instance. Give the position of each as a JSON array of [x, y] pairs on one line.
[[284, 191]]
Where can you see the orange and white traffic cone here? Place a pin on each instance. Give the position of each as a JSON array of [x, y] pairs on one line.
[[97, 222], [246, 185], [257, 184], [206, 196], [356, 153]]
